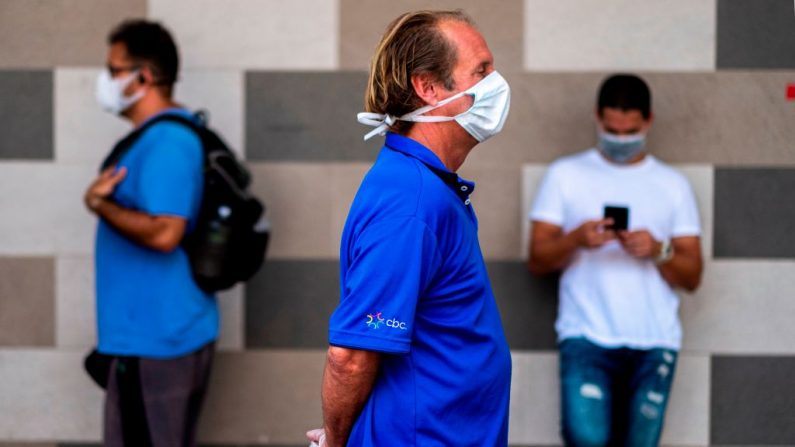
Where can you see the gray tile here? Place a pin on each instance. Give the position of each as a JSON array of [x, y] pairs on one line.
[[754, 212], [48, 33], [27, 115], [288, 304], [528, 305], [306, 116], [752, 400], [363, 23], [27, 302], [755, 34]]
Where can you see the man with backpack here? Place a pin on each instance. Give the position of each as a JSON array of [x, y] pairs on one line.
[[155, 324]]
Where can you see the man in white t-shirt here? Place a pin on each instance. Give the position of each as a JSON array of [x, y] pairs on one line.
[[623, 228]]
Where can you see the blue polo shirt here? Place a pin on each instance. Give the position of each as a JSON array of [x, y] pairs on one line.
[[148, 304], [414, 287]]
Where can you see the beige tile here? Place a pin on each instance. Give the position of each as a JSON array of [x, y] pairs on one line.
[[755, 120], [531, 180], [347, 179], [27, 302], [497, 204], [75, 303], [47, 397], [220, 93], [687, 421], [263, 397], [299, 200], [48, 33], [27, 224], [702, 181], [619, 35], [535, 401], [551, 115], [742, 307], [300, 34], [363, 23], [84, 133]]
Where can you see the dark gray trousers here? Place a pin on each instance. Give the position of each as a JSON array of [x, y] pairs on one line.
[[171, 392]]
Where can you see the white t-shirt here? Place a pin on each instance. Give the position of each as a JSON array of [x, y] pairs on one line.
[[606, 295]]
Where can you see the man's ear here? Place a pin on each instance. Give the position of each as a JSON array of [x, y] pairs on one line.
[[426, 87], [145, 76]]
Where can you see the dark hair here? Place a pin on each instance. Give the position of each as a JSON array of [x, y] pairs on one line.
[[412, 44], [151, 44], [625, 92]]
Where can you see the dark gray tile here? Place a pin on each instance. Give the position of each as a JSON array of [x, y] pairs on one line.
[[754, 213], [753, 400], [306, 116], [27, 302], [26, 112], [755, 34], [528, 305], [288, 304]]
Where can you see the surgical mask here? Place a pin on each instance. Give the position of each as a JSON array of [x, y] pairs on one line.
[[484, 119], [621, 148], [110, 92]]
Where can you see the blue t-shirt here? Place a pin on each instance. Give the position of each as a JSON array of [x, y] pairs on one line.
[[414, 286], [148, 304]]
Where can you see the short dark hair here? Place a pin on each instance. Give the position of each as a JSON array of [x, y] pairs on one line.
[[625, 92], [151, 44]]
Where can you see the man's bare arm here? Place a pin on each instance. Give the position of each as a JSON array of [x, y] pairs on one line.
[[347, 382]]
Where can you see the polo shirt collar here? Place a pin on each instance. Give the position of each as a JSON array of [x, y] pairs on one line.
[[463, 188]]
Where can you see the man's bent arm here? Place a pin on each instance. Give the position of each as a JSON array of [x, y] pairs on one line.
[[551, 249], [684, 269], [347, 382], [161, 233]]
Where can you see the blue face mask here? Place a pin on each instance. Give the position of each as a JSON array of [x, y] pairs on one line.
[[621, 148]]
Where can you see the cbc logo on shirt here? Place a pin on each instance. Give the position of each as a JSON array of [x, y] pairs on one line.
[[375, 321]]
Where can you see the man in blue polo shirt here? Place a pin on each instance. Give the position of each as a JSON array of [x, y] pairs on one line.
[[152, 318], [418, 356]]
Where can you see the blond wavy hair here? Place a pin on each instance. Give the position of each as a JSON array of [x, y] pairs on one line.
[[412, 44]]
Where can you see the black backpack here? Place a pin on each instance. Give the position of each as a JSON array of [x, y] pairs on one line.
[[228, 243]]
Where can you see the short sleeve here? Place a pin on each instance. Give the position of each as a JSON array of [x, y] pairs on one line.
[[686, 217], [391, 264], [171, 174], [548, 204]]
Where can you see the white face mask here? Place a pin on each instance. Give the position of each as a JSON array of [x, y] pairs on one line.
[[484, 119], [110, 92]]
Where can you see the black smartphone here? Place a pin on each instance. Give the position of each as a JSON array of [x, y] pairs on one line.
[[620, 216]]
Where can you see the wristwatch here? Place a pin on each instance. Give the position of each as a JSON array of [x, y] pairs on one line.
[[666, 253]]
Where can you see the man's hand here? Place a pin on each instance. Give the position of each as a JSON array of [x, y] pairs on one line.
[[640, 244], [103, 186], [317, 437], [594, 233]]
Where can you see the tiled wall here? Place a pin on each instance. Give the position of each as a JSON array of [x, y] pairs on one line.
[[283, 80]]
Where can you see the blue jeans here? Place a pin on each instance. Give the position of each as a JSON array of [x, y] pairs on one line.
[[613, 397]]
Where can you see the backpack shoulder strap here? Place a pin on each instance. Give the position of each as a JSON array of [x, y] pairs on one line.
[[129, 140]]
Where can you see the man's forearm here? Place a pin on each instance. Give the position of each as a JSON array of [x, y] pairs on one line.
[[147, 230], [347, 382], [683, 271], [551, 255]]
